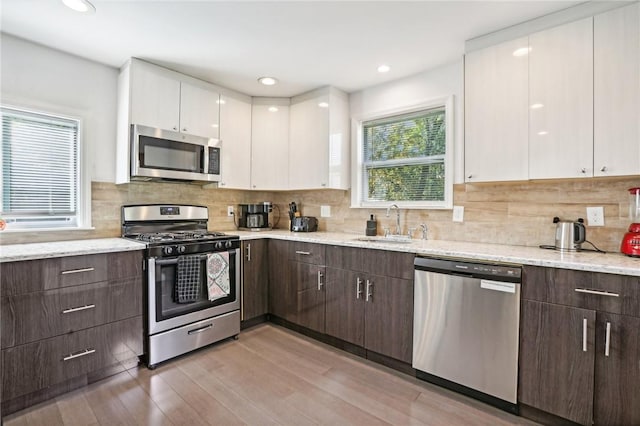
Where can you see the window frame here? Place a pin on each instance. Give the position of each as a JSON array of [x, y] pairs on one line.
[[83, 213], [357, 155]]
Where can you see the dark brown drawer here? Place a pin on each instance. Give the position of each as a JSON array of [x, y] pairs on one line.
[[618, 294], [378, 262], [48, 274], [34, 316], [307, 252], [35, 366]]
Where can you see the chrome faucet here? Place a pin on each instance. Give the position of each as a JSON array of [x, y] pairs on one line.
[[424, 231], [398, 229]]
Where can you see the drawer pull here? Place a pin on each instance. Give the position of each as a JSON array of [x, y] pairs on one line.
[[597, 292], [76, 271], [607, 339], [369, 291], [200, 330], [79, 354], [320, 280], [80, 308], [358, 287], [305, 253], [584, 335]]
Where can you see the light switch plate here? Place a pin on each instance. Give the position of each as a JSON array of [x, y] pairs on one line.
[[595, 216], [458, 213], [325, 211]]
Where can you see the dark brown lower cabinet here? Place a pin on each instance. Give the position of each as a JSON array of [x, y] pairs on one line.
[[372, 311], [556, 372], [580, 346], [282, 292], [310, 294], [255, 279]]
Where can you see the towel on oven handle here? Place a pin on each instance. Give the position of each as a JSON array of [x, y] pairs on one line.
[[218, 280], [188, 282]]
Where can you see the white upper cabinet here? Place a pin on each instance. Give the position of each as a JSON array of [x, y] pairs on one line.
[[235, 133], [319, 140], [617, 92], [270, 144], [199, 111], [496, 113], [164, 99], [561, 101], [155, 97]]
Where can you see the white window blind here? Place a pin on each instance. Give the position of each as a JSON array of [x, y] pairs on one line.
[[404, 157], [40, 179]]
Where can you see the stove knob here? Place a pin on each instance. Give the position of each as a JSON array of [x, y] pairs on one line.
[[228, 244], [182, 249], [168, 250], [218, 245]]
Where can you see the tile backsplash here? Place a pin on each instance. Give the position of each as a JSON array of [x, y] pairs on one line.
[[508, 213]]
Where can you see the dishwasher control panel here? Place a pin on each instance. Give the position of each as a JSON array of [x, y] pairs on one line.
[[501, 272]]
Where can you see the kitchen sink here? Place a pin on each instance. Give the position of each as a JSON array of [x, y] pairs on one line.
[[385, 240]]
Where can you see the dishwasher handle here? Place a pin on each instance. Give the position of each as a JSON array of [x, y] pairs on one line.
[[490, 271]]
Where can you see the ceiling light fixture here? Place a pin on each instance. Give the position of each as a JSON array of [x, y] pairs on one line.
[[523, 51], [273, 109], [268, 81], [323, 104], [384, 68], [82, 6], [543, 132], [536, 106]]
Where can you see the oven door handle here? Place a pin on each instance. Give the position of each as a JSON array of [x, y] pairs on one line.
[[174, 261]]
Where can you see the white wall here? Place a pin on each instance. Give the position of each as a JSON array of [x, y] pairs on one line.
[[436, 83], [42, 78]]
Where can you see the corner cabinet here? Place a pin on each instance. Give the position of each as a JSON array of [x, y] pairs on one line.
[[580, 345], [497, 113], [319, 140], [235, 134], [270, 144], [255, 279], [561, 101], [67, 322], [617, 92]]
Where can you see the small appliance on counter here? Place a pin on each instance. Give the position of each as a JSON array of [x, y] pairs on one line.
[[569, 235], [255, 217], [299, 223], [631, 241]]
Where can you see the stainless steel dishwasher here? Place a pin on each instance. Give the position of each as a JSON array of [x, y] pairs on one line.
[[465, 335]]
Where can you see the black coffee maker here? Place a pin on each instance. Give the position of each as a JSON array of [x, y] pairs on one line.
[[254, 217]]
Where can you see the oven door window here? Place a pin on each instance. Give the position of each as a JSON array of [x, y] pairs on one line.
[[170, 155], [171, 298]]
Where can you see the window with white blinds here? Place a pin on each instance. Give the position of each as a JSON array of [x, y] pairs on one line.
[[404, 159], [40, 164]]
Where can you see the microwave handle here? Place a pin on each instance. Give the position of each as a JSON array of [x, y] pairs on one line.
[[204, 167]]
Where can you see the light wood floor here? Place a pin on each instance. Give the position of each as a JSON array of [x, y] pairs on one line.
[[269, 376]]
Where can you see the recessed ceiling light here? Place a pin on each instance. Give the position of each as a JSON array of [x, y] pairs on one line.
[[523, 51], [384, 68], [221, 102], [273, 109], [536, 106], [543, 132], [267, 81], [323, 104], [83, 6]]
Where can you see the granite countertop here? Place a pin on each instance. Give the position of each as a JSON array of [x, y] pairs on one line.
[[14, 252], [613, 263]]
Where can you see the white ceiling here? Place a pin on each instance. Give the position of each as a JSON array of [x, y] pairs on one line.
[[305, 44]]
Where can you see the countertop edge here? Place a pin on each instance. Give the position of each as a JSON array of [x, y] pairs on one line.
[[34, 251]]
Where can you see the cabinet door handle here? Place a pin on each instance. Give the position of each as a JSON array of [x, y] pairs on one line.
[[79, 354], [583, 170], [320, 280], [77, 271], [248, 252], [358, 287], [369, 290], [175, 128], [184, 129], [584, 335], [304, 253], [80, 308], [603, 169], [607, 339], [597, 292]]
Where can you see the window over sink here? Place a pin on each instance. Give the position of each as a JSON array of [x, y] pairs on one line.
[[41, 186], [405, 156]]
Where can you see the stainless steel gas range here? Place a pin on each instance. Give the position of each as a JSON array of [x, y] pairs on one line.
[[192, 287]]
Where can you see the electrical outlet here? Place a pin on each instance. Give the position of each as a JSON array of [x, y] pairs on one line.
[[595, 216], [325, 211], [230, 211], [458, 213]]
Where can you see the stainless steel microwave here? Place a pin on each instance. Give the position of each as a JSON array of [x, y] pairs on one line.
[[158, 154]]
